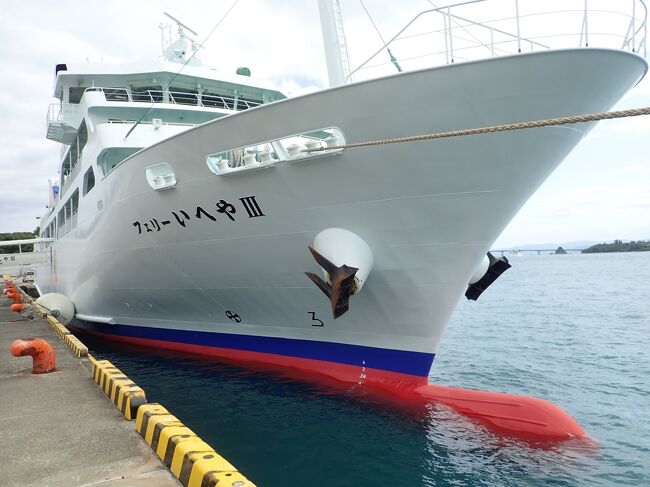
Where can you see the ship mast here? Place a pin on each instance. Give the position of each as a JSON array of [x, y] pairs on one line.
[[336, 51], [184, 48]]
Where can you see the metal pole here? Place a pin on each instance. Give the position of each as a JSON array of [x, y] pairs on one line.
[[444, 19], [451, 39], [586, 24], [492, 40], [633, 22], [518, 30]]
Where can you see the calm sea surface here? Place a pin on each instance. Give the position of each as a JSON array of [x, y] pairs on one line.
[[572, 329]]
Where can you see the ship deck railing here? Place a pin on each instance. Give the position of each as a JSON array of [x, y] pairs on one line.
[[148, 122], [176, 98], [62, 122], [479, 29]]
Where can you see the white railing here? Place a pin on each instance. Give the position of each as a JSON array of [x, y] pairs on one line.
[[176, 98], [149, 122], [63, 112], [478, 29]]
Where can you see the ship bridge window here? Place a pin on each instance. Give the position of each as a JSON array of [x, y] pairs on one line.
[[116, 94], [89, 180], [75, 93], [111, 157]]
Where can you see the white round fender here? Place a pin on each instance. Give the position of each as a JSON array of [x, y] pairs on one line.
[[59, 306]]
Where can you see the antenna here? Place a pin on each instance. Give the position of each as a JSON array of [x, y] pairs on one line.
[[180, 24], [162, 28]]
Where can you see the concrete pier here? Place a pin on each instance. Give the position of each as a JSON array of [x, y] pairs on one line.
[[59, 429]]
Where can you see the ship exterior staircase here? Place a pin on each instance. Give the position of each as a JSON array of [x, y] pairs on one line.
[[63, 122]]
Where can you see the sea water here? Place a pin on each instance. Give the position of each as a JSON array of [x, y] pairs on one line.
[[572, 329]]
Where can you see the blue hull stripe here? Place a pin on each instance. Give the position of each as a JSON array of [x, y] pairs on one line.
[[405, 362]]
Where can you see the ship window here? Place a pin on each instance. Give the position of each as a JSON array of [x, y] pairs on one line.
[[111, 157], [246, 103], [315, 144], [214, 100], [89, 180], [74, 202], [68, 214], [183, 96], [76, 93], [74, 153], [147, 94], [116, 94], [60, 231], [83, 135]]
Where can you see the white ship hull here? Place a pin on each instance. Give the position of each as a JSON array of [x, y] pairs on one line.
[[428, 210]]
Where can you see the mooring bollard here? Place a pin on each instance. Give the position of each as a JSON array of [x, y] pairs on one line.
[[42, 352]]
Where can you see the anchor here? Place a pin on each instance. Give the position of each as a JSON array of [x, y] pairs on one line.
[[342, 285]]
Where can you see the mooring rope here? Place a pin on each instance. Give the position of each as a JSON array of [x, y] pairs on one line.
[[548, 122]]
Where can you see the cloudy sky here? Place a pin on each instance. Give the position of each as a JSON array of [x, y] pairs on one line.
[[600, 192]]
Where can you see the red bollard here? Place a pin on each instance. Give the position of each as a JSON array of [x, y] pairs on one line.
[[16, 297], [17, 307], [42, 352]]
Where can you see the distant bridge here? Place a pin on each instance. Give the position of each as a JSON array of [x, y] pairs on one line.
[[539, 251]]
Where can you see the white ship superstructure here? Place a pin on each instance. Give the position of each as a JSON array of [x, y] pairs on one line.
[[188, 202]]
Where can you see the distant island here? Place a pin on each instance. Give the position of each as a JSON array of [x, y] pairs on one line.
[[618, 246]]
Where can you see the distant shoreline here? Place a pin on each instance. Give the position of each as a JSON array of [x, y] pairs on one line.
[[618, 246]]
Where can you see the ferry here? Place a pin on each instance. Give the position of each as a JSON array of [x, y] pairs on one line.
[[206, 212]]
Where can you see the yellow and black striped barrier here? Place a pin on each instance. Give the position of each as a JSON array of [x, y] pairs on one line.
[[124, 393], [190, 459], [58, 328], [79, 349]]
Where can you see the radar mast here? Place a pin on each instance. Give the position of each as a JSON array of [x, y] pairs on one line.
[[336, 50], [179, 50]]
